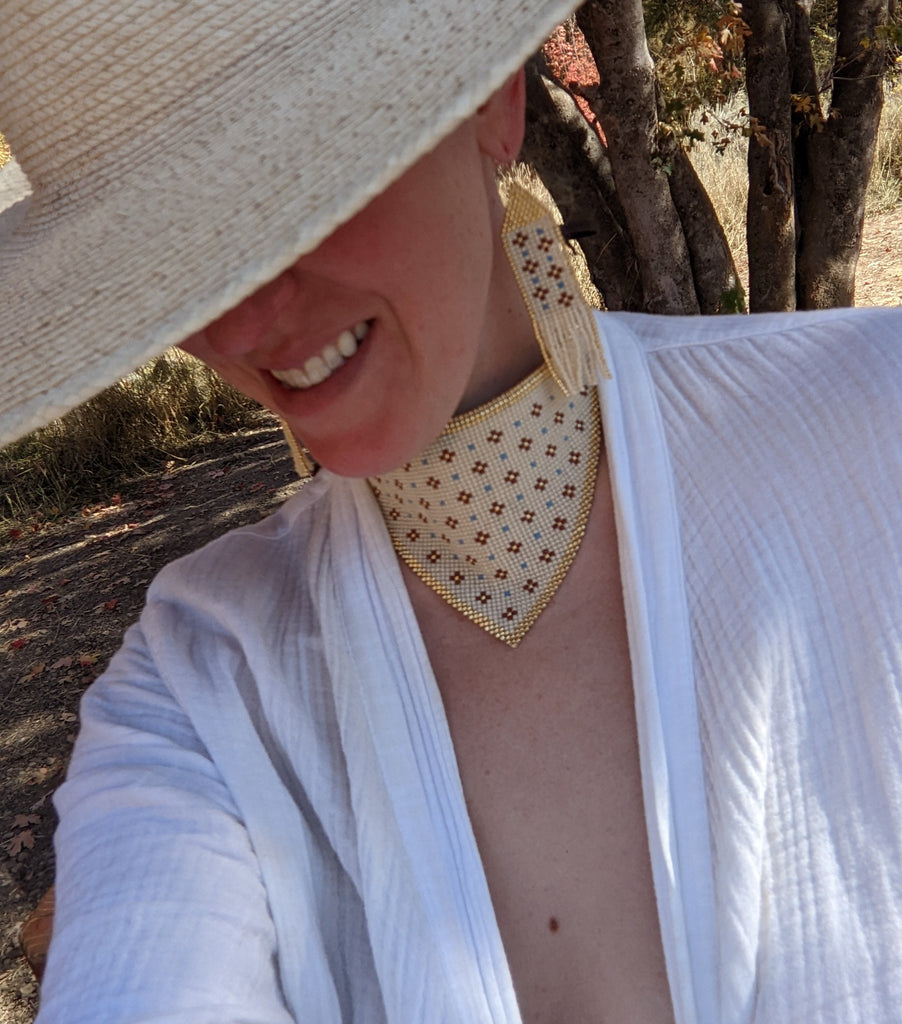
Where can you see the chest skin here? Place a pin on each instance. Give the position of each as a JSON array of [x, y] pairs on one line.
[[545, 739]]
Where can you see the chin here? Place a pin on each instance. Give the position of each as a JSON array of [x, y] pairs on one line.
[[373, 453]]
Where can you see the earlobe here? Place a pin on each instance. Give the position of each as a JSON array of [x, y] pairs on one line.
[[500, 120]]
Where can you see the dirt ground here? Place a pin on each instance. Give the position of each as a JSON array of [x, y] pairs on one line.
[[69, 588]]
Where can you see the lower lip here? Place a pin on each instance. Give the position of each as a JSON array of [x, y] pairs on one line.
[[296, 403]]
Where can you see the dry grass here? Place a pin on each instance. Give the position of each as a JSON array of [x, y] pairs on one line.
[[725, 176], [724, 173], [136, 425], [885, 186]]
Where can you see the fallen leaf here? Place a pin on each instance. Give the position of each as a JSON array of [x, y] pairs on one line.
[[17, 645], [33, 672], [111, 604], [256, 487], [63, 662], [42, 774], [50, 598], [87, 659], [21, 841], [24, 820], [18, 623], [15, 534]]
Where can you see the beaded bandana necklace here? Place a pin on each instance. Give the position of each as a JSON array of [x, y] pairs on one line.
[[491, 514]]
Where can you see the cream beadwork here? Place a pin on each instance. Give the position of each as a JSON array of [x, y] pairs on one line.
[[564, 325], [491, 515]]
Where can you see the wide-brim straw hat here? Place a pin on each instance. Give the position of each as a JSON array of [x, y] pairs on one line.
[[181, 154]]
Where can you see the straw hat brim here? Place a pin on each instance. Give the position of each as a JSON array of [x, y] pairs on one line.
[[166, 189]]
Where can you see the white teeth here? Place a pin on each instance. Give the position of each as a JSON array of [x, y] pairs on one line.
[[293, 378], [318, 368], [332, 357], [347, 343]]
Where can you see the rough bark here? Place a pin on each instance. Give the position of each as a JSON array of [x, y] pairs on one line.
[[806, 87], [717, 285], [839, 159], [770, 220], [570, 159], [626, 105]]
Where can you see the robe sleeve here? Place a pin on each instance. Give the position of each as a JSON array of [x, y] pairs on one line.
[[161, 913]]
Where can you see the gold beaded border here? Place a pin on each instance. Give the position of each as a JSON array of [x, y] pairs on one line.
[[499, 404]]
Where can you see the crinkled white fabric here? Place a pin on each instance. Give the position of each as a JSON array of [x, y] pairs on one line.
[[264, 822]]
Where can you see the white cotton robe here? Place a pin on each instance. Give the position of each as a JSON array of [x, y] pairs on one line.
[[264, 821]]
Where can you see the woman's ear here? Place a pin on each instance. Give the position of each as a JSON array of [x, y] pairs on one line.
[[500, 120]]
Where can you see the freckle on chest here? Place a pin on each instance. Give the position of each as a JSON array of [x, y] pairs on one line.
[[553, 924]]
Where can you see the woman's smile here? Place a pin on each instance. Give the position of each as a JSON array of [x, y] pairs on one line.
[[320, 367]]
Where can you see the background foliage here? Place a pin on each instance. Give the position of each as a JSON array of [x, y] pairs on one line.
[[150, 417]]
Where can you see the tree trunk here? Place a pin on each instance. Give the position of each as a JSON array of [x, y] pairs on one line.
[[770, 221], [570, 159], [807, 114], [626, 105], [839, 160], [717, 285]]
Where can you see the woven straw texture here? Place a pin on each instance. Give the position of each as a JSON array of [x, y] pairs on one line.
[[182, 154]]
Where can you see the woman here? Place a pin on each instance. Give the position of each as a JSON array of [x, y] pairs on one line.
[[494, 721]]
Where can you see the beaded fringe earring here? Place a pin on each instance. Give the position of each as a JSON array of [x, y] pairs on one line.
[[563, 322]]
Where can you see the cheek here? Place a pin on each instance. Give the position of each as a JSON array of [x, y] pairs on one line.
[[195, 345], [232, 371], [246, 326]]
